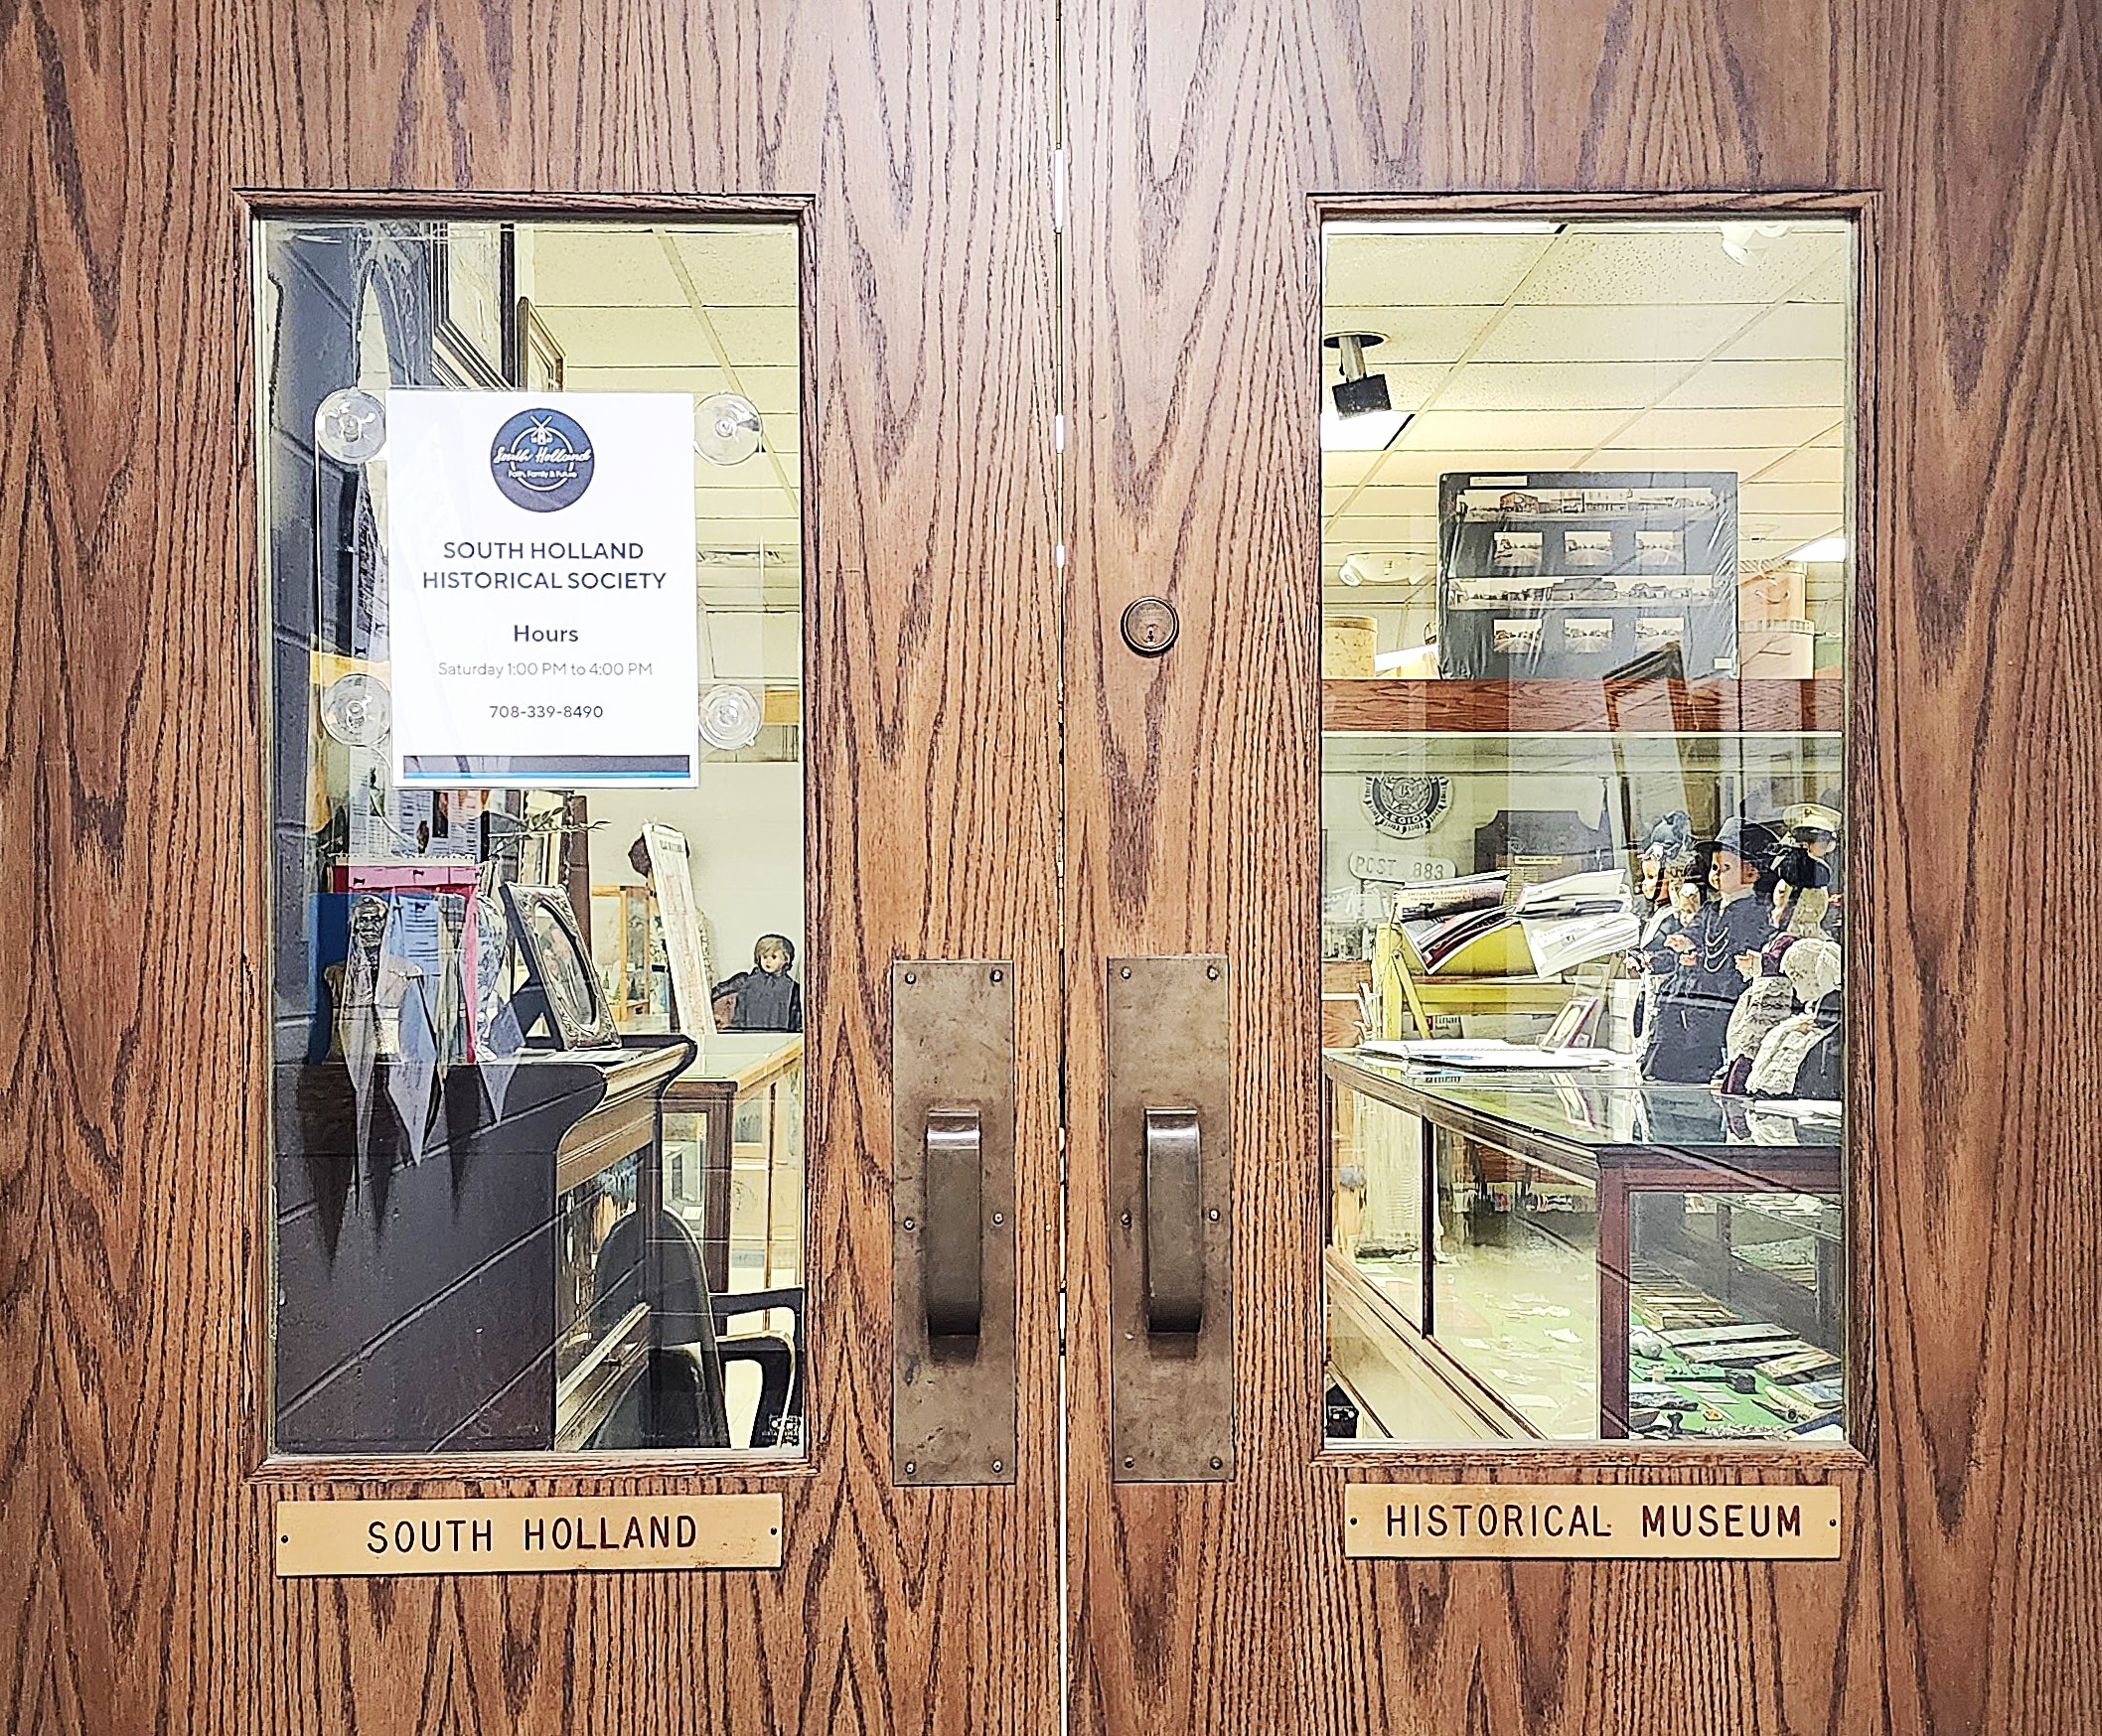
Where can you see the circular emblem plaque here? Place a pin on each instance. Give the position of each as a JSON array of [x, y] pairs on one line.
[[1406, 805], [541, 461]]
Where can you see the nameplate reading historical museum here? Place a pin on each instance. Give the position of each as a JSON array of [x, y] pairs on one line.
[[331, 1537], [1627, 1522]]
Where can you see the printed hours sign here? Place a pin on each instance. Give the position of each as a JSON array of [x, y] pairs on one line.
[[542, 620]]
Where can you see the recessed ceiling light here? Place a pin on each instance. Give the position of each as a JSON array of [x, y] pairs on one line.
[[1833, 547]]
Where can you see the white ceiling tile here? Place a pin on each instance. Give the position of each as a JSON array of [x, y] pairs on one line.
[[1794, 330], [1691, 432], [1609, 332], [1743, 461], [629, 336], [1345, 469], [1762, 384], [601, 265], [739, 502], [1809, 463], [1408, 334], [1676, 264], [1454, 270], [740, 264], [1363, 530], [1562, 385], [1407, 466], [1482, 436], [757, 337]]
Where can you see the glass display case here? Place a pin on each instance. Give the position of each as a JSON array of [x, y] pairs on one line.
[[1588, 1255]]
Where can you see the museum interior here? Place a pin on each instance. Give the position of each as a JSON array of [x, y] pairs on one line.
[[1585, 497], [1584, 509]]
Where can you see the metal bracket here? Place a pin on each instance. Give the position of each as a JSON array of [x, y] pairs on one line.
[[952, 1239], [1170, 1199]]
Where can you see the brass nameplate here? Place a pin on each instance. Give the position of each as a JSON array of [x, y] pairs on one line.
[[527, 1536], [1625, 1521]]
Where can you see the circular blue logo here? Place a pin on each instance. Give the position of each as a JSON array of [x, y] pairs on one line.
[[541, 461]]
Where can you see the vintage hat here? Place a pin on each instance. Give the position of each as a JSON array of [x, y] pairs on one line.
[[1797, 867], [1747, 839], [1811, 816]]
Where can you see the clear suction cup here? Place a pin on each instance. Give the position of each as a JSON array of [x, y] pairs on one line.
[[725, 428], [729, 717], [350, 426]]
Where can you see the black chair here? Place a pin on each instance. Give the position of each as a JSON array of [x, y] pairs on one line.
[[679, 1400]]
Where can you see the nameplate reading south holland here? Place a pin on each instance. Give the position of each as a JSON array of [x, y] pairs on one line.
[[330, 1538]]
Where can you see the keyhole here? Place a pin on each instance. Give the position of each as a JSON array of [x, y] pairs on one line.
[[1149, 625]]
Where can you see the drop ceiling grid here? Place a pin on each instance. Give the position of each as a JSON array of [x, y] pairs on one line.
[[701, 310], [1734, 367]]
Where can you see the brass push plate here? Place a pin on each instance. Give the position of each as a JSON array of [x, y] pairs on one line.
[[1171, 1220], [951, 1225]]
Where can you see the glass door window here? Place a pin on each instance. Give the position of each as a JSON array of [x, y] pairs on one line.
[[1586, 501]]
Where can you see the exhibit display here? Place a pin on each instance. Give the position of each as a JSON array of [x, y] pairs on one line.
[[513, 571], [1583, 808]]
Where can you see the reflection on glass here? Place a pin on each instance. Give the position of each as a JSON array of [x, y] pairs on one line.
[[1582, 822], [527, 1085]]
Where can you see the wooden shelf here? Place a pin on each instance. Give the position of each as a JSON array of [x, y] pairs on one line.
[[1647, 707]]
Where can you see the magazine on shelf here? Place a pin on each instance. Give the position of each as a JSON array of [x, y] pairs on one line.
[[1552, 927]]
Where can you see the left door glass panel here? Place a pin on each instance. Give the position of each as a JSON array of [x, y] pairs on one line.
[[533, 526]]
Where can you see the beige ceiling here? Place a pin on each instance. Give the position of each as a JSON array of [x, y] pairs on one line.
[[1603, 347], [699, 309]]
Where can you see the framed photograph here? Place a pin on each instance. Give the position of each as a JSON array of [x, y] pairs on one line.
[[472, 271], [561, 989], [686, 939]]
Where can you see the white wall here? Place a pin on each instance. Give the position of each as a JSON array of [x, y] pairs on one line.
[[744, 826]]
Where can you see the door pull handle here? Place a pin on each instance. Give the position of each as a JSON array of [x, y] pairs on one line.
[[1174, 1221], [951, 1240]]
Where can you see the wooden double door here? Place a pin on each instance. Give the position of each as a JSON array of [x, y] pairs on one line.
[[1062, 312]]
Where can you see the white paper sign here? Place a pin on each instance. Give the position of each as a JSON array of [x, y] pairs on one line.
[[541, 609]]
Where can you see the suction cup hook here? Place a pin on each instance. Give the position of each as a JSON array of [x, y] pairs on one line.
[[729, 717], [350, 425], [725, 428], [355, 710]]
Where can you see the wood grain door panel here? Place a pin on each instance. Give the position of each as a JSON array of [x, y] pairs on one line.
[[909, 141], [1203, 138]]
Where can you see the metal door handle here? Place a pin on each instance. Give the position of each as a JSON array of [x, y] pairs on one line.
[[953, 1239], [1174, 1241]]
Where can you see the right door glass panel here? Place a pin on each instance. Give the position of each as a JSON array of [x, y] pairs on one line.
[[1586, 511]]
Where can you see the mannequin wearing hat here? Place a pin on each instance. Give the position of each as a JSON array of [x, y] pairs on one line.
[[1800, 902], [1692, 1024]]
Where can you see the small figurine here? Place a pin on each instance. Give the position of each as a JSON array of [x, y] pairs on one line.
[[1800, 1057], [766, 997]]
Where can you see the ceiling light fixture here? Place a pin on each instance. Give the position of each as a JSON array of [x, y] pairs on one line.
[[1357, 394], [1822, 548]]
